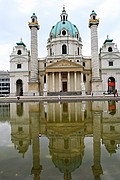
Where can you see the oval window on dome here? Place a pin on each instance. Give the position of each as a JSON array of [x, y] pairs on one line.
[[63, 32]]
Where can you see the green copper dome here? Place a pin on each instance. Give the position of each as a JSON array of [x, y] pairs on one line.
[[64, 27]]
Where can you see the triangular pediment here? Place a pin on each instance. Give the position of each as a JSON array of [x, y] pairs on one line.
[[64, 64]]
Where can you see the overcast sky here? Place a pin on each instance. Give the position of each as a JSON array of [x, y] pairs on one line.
[[15, 15]]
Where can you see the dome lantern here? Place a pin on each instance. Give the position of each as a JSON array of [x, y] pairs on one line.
[[64, 15]]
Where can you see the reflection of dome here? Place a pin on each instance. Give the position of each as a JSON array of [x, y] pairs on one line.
[[21, 142], [64, 28], [67, 165]]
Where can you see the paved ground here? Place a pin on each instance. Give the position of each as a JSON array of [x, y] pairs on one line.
[[59, 98]]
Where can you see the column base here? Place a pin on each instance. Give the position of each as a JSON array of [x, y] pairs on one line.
[[97, 88], [33, 88]]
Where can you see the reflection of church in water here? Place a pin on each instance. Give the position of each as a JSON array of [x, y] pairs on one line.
[[65, 125]]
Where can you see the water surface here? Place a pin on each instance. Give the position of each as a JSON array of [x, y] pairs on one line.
[[60, 141]]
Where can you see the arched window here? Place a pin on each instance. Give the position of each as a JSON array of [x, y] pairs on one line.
[[19, 52], [109, 49], [78, 51], [111, 85], [84, 77], [33, 20], [50, 51], [64, 49]]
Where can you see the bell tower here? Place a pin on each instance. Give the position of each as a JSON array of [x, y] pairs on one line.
[[96, 79], [33, 84]]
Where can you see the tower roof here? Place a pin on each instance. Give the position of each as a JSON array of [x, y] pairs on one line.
[[93, 13], [108, 40], [21, 43]]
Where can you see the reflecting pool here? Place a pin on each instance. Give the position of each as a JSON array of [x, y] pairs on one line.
[[60, 140]]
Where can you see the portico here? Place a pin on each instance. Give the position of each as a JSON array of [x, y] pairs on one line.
[[65, 76]]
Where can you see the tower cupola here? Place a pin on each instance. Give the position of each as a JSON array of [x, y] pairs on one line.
[[34, 22], [64, 15], [93, 19]]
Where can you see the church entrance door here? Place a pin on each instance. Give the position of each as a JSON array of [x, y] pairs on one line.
[[19, 87], [111, 84], [64, 86]]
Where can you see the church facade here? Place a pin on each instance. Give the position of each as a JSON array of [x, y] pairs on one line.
[[64, 70]]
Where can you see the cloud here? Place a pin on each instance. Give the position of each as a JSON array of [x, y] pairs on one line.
[[5, 50], [26, 6], [109, 9]]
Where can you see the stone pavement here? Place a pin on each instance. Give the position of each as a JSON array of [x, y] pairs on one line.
[[11, 99]]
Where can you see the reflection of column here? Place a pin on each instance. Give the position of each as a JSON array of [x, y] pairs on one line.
[[36, 169], [47, 86], [53, 111], [60, 112], [68, 81], [97, 169], [69, 114], [83, 110], [76, 112], [60, 88], [53, 82], [75, 80]]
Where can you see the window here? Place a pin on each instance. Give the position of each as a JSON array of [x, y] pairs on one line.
[[66, 144], [112, 128], [78, 51], [50, 51], [33, 20], [64, 49], [110, 63], [109, 49], [63, 32], [20, 129], [64, 75], [19, 52], [84, 64], [84, 77], [19, 66], [45, 79]]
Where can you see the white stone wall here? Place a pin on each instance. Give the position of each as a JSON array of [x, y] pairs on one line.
[[110, 71], [71, 43], [19, 73], [13, 79]]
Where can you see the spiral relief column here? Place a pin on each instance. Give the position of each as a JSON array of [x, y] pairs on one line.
[[96, 79], [33, 84]]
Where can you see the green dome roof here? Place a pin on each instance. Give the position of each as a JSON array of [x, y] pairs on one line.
[[64, 25]]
